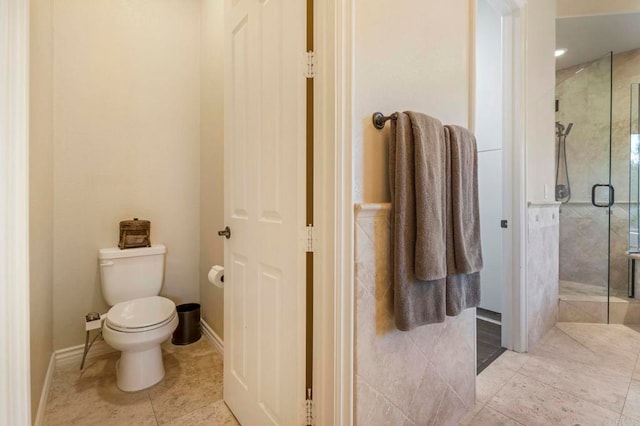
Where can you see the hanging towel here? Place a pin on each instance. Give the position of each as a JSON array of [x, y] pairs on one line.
[[464, 251], [417, 178], [431, 170]]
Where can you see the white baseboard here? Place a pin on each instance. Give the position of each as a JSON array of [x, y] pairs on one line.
[[61, 358], [73, 355], [212, 336], [44, 394]]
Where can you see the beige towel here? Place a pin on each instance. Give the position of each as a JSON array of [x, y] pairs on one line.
[[417, 177], [464, 251]]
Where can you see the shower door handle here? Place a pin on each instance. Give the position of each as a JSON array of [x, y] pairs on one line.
[[612, 195]]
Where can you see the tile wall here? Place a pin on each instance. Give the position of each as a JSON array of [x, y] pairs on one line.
[[425, 376], [542, 269]]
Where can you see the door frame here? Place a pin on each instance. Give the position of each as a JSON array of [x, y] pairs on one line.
[[514, 315], [515, 328], [333, 277], [15, 398]]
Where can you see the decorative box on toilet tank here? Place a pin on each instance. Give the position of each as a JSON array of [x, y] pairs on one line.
[[135, 233]]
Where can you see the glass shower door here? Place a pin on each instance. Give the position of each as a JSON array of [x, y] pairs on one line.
[[634, 186], [584, 186]]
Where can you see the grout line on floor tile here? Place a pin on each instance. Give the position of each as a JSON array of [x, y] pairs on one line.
[[528, 355], [566, 392], [629, 387], [575, 340], [606, 407], [553, 355], [494, 394], [155, 415], [635, 365], [506, 415]]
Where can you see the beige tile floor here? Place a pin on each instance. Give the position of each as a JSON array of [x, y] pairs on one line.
[[579, 374], [190, 393]]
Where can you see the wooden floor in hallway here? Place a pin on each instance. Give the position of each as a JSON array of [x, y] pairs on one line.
[[189, 394], [578, 374]]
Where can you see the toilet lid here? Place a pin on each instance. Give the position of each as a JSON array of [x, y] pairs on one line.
[[143, 312]]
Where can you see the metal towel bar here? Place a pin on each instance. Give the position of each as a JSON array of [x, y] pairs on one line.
[[379, 119]]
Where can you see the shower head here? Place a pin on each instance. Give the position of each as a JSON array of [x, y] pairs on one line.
[[569, 126]]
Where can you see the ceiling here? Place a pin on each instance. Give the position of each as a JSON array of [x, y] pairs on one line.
[[587, 38]]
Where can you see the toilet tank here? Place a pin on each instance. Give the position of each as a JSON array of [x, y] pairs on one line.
[[131, 273]]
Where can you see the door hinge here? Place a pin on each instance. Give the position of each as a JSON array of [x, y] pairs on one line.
[[310, 239], [310, 71], [504, 224], [308, 410]]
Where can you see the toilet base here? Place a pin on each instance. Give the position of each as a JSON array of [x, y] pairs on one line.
[[139, 370]]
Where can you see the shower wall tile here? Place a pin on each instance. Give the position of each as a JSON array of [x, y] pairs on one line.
[[415, 377], [584, 245], [542, 269]]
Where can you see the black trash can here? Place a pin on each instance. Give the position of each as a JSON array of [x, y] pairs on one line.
[[188, 330]]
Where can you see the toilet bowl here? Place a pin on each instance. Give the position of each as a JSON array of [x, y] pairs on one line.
[[137, 328], [139, 320]]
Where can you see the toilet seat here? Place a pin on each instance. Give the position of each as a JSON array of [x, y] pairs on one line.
[[139, 315]]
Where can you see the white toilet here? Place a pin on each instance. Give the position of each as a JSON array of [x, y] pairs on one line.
[[139, 320]]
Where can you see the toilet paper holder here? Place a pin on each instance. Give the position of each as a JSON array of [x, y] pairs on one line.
[[216, 276]]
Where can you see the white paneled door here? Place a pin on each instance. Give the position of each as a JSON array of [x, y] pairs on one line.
[[264, 200]]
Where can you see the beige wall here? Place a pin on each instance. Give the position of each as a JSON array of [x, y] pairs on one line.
[[396, 72], [412, 56], [126, 143], [211, 159], [540, 36], [595, 7], [40, 195]]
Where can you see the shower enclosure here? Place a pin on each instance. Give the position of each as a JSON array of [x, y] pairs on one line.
[[585, 186], [598, 183]]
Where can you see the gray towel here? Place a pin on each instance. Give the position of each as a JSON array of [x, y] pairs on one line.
[[464, 251], [417, 176], [430, 190]]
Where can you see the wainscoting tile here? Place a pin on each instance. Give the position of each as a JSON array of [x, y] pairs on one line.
[[425, 376], [542, 270]]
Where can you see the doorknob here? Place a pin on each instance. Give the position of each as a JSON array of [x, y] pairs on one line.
[[226, 232]]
